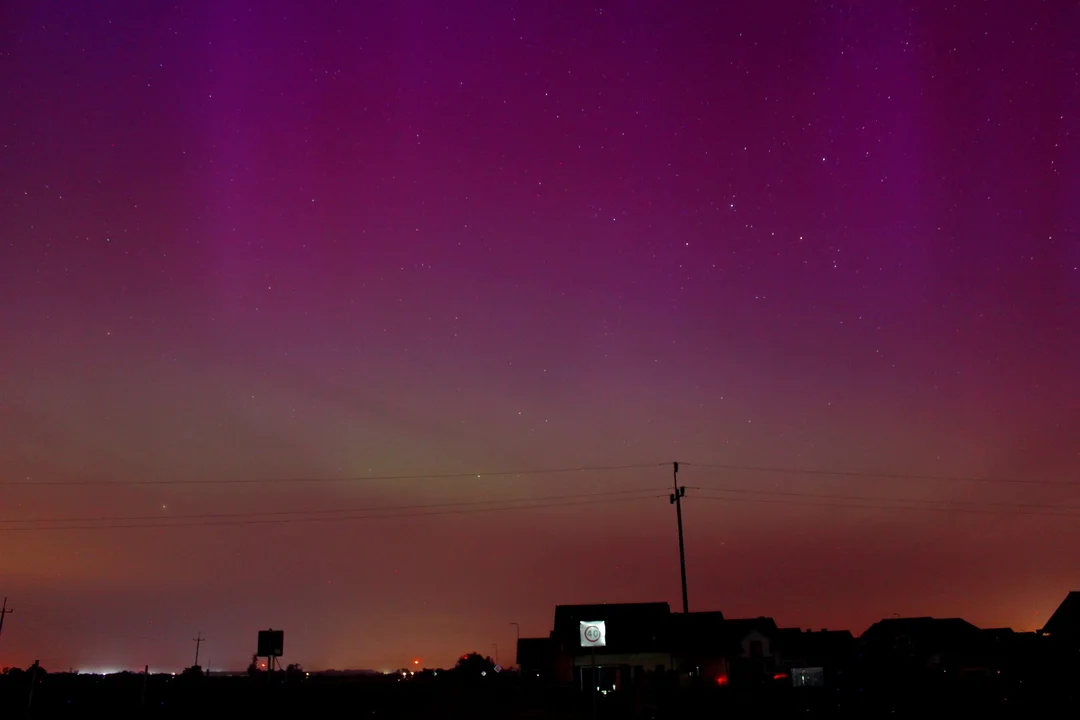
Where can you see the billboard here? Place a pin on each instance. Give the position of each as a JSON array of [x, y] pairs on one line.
[[593, 634], [271, 643]]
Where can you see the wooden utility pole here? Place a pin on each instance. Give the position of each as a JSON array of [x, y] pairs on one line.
[[33, 682], [676, 499], [4, 611], [198, 640]]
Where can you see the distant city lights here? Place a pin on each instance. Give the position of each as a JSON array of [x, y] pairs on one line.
[[100, 671]]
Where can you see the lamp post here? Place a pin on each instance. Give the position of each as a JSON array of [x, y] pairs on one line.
[[517, 643]]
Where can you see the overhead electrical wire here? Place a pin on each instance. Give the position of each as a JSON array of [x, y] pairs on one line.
[[875, 475], [733, 494], [374, 513], [301, 480], [1017, 510], [317, 511], [797, 471], [915, 502]]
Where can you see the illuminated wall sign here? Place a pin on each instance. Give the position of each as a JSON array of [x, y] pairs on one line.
[[593, 634]]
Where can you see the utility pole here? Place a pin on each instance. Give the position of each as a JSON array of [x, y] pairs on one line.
[[676, 500], [198, 640], [4, 611], [33, 682]]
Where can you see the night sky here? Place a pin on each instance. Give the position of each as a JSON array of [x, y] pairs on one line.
[[346, 242]]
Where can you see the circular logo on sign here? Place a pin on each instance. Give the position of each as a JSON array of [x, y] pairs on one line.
[[592, 634]]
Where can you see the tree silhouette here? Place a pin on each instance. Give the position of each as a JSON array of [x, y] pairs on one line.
[[195, 671], [475, 664]]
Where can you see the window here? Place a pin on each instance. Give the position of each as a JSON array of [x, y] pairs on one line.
[[756, 649]]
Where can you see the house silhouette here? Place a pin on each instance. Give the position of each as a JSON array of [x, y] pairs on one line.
[[1065, 622]]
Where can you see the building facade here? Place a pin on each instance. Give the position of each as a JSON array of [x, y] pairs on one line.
[[615, 647]]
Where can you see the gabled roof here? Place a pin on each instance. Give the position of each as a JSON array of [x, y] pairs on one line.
[[1066, 619], [922, 634], [921, 626]]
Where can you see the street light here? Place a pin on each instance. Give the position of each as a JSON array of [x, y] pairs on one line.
[[517, 630]]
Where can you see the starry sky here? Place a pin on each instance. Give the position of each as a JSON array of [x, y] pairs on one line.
[[404, 251]]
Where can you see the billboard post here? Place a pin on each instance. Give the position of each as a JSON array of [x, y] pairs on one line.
[[271, 646]]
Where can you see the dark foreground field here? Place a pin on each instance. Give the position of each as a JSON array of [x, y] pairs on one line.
[[161, 696]]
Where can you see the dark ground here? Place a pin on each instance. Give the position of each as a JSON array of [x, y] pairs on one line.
[[449, 697]]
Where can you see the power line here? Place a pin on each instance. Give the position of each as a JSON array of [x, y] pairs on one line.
[[880, 476], [990, 506], [368, 478], [529, 472], [316, 511], [283, 520], [802, 503]]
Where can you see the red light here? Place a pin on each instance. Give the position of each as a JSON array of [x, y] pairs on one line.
[[722, 680], [415, 662], [780, 676]]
